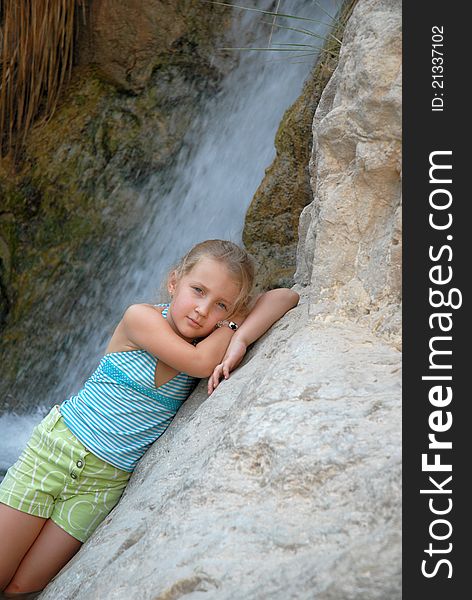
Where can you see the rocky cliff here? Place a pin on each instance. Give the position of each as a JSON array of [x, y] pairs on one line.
[[285, 483], [349, 253]]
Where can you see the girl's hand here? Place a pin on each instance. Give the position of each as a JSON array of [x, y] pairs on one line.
[[234, 355]]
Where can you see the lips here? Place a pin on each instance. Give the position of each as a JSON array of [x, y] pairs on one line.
[[193, 322]]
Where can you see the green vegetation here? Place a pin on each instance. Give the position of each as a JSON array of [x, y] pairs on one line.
[[335, 24]]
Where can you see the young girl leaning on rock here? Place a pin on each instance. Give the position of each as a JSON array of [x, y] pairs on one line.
[[81, 455]]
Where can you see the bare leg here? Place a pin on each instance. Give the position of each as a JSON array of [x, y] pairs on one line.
[[6, 596], [18, 531], [52, 549]]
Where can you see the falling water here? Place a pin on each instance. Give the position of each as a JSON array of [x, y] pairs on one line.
[[227, 150]]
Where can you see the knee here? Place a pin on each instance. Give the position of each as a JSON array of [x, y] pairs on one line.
[[5, 587]]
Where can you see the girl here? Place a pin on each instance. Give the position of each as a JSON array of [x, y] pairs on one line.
[[81, 456]]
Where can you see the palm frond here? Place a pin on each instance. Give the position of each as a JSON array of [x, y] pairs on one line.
[[36, 54]]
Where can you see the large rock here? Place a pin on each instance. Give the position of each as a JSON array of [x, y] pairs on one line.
[[286, 482], [285, 477], [349, 255]]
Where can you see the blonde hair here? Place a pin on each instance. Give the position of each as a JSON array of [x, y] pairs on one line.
[[239, 263]]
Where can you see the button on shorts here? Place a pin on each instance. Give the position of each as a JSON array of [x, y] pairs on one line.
[[56, 477]]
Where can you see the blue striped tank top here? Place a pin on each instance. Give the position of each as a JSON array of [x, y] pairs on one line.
[[120, 412]]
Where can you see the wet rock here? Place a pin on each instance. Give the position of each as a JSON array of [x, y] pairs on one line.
[[5, 270]]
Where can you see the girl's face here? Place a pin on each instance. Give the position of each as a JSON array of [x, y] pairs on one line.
[[201, 298]]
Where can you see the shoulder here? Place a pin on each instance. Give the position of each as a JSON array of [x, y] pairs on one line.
[[139, 311], [143, 317], [136, 317]]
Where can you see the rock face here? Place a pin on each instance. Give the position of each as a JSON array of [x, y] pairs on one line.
[[288, 475], [349, 255], [128, 39], [286, 482]]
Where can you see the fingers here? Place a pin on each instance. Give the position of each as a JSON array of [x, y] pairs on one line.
[[221, 370], [210, 386], [214, 378]]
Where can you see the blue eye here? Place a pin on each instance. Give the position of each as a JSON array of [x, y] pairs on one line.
[[197, 289], [221, 305]]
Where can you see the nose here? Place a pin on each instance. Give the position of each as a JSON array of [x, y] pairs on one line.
[[203, 307]]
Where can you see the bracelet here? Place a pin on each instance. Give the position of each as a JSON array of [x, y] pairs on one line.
[[231, 324]]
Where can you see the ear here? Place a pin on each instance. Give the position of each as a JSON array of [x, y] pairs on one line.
[[172, 283]]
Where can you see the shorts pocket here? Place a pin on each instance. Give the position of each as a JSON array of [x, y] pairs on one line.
[[51, 419]]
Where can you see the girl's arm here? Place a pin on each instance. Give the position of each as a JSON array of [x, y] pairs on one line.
[[147, 329], [268, 309]]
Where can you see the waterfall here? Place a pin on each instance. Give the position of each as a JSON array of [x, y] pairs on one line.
[[222, 163]]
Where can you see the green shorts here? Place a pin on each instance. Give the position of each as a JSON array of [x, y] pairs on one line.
[[56, 477]]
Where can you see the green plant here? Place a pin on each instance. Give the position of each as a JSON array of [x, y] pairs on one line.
[[301, 49]]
